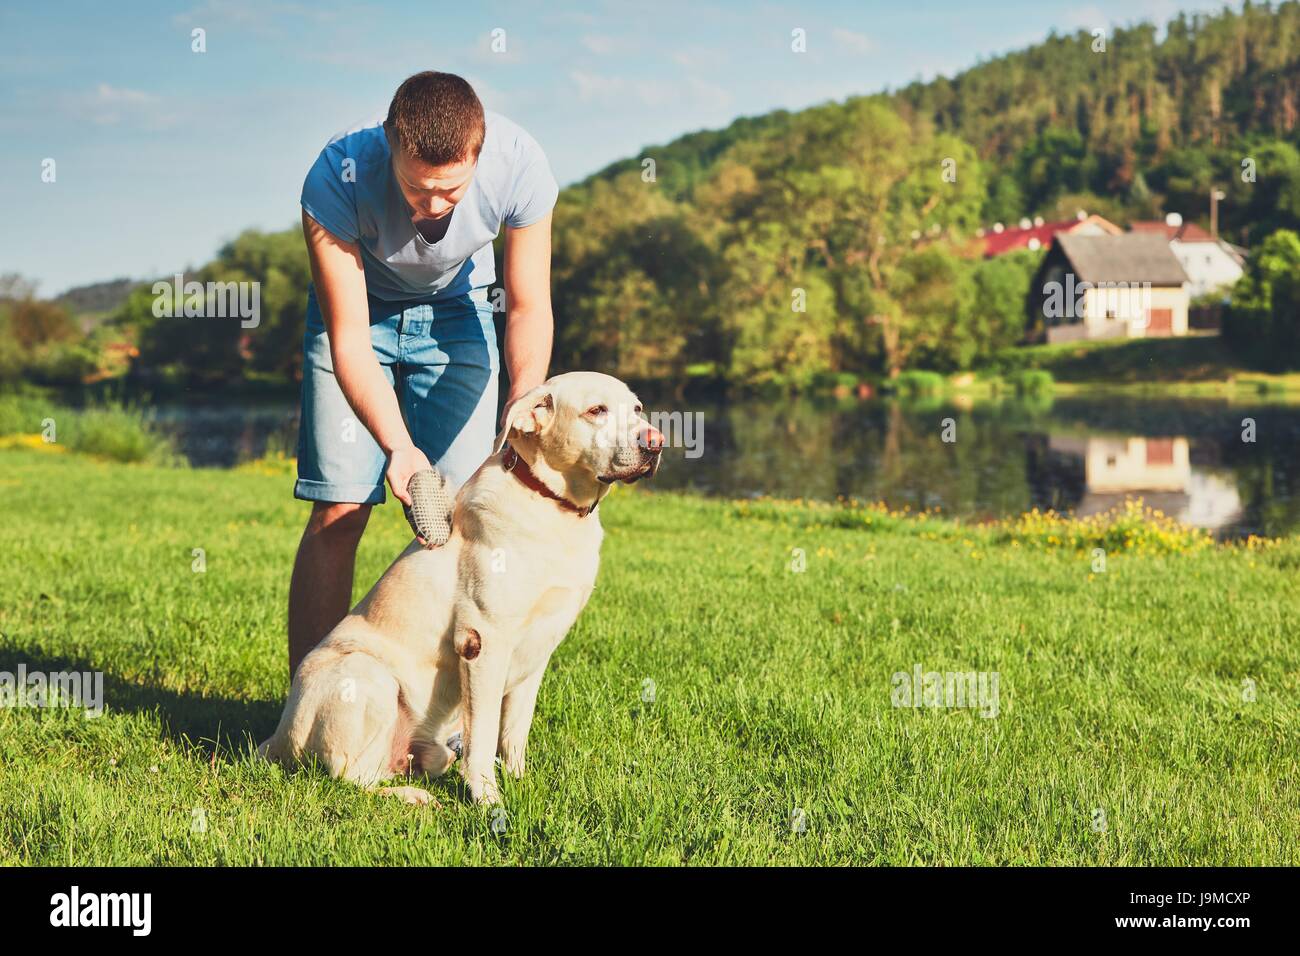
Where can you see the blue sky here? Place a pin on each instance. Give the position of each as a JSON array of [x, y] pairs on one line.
[[162, 153]]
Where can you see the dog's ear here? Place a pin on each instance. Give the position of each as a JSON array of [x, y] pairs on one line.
[[527, 414]]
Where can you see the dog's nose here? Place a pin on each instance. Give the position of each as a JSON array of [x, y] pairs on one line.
[[652, 439]]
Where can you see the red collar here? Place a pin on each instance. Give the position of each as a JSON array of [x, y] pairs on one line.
[[512, 463]]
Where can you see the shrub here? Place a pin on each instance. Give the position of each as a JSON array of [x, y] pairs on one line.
[[62, 363], [1032, 381], [13, 361], [919, 382], [23, 414], [1125, 529], [1262, 324], [827, 381], [118, 432]]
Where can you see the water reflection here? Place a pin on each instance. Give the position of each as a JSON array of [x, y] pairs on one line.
[[1159, 471], [1185, 457], [1081, 455]]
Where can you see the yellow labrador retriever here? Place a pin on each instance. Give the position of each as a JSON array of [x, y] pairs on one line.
[[458, 637]]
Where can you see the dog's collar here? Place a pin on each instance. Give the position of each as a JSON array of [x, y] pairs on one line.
[[512, 463]]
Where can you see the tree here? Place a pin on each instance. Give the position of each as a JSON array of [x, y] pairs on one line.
[[1273, 199], [995, 312], [210, 349], [278, 262], [631, 279], [1263, 321], [34, 322], [851, 192]]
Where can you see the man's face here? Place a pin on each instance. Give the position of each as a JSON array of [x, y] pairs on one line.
[[431, 191]]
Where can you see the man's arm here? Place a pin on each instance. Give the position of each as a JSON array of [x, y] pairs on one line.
[[530, 325], [340, 281]]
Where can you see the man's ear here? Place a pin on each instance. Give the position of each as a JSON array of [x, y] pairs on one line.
[[526, 415]]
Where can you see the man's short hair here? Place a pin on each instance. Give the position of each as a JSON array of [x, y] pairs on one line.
[[436, 118]]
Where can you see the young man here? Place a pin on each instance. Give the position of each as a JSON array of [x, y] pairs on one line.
[[400, 360]]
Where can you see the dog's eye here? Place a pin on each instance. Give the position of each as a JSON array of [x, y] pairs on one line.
[[637, 409], [596, 411]]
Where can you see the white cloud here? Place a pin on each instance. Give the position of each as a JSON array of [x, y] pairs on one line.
[[851, 42], [1160, 12], [1086, 18], [594, 87], [259, 15], [108, 105], [699, 57], [600, 88], [600, 44], [709, 95]]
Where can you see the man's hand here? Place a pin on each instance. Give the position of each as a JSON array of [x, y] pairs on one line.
[[402, 464]]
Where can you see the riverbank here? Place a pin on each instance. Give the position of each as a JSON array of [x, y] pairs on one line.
[[1196, 366], [1199, 365], [727, 697]]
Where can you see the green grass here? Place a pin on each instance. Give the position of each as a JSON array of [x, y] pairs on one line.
[[1119, 691], [1200, 364]]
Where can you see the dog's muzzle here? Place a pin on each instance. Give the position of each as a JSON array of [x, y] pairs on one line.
[[633, 462]]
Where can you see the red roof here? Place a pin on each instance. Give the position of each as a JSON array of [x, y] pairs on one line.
[[1187, 232], [1008, 240]]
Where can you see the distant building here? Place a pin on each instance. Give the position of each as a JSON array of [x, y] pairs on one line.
[[1211, 264], [1109, 286], [1036, 234]]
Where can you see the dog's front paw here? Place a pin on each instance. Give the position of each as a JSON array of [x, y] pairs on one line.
[[412, 795], [482, 788], [512, 761]]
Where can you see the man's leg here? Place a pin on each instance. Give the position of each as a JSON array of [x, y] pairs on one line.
[[341, 472], [320, 591]]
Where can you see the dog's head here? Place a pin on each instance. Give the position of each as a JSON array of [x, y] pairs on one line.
[[584, 425]]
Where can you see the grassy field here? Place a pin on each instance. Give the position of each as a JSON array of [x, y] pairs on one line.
[[1194, 365], [712, 706]]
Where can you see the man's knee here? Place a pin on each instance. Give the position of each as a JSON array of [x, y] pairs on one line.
[[338, 523]]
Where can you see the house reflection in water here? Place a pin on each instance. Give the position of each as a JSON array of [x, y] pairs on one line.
[[1158, 470]]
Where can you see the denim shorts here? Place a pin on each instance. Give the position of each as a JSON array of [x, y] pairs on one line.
[[440, 356]]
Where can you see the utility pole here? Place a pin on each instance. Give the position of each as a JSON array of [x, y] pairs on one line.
[[1215, 195]]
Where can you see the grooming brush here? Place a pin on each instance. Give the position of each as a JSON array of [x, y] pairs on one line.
[[429, 513]]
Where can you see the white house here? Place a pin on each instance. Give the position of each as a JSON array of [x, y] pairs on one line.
[[1107, 287], [1211, 264]]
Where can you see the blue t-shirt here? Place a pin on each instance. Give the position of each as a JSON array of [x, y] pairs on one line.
[[351, 191]]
